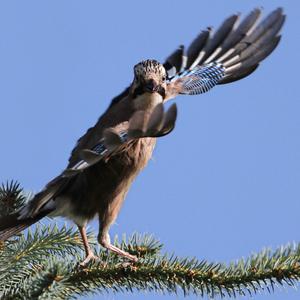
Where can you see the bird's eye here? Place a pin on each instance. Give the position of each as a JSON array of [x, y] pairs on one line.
[[164, 78]]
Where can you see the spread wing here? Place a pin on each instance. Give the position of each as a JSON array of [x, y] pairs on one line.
[[233, 52]]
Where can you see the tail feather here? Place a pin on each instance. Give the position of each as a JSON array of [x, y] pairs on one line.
[[10, 225]]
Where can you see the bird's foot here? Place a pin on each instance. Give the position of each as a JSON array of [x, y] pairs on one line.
[[132, 258], [91, 258], [104, 241]]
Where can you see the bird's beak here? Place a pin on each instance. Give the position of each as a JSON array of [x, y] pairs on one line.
[[151, 86]]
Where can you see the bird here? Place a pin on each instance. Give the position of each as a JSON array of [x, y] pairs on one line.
[[108, 157]]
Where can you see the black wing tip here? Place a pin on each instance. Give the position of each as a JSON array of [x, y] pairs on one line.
[[242, 75], [169, 121], [280, 9], [173, 108]]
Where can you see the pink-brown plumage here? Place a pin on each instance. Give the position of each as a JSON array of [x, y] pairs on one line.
[[99, 189]]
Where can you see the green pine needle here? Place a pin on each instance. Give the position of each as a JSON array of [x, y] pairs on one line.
[[11, 197], [44, 264]]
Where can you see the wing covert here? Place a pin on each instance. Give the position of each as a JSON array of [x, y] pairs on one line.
[[141, 125]]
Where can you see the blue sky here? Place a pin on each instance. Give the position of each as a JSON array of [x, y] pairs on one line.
[[224, 184]]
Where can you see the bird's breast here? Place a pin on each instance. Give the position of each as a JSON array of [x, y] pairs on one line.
[[147, 101], [137, 153], [101, 185]]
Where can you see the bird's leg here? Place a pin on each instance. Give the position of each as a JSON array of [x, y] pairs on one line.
[[90, 256], [104, 240]]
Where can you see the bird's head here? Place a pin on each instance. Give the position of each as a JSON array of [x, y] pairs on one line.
[[149, 77]]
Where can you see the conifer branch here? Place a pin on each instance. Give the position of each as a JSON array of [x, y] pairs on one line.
[[44, 264]]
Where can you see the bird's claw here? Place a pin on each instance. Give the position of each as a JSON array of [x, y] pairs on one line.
[[91, 258]]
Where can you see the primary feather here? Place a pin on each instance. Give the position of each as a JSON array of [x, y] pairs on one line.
[[238, 46]]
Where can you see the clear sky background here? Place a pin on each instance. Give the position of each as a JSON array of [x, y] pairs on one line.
[[224, 184]]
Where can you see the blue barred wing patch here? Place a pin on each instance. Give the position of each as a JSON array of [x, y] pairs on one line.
[[99, 150], [200, 79]]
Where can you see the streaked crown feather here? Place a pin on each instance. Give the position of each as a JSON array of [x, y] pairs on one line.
[[149, 66]]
